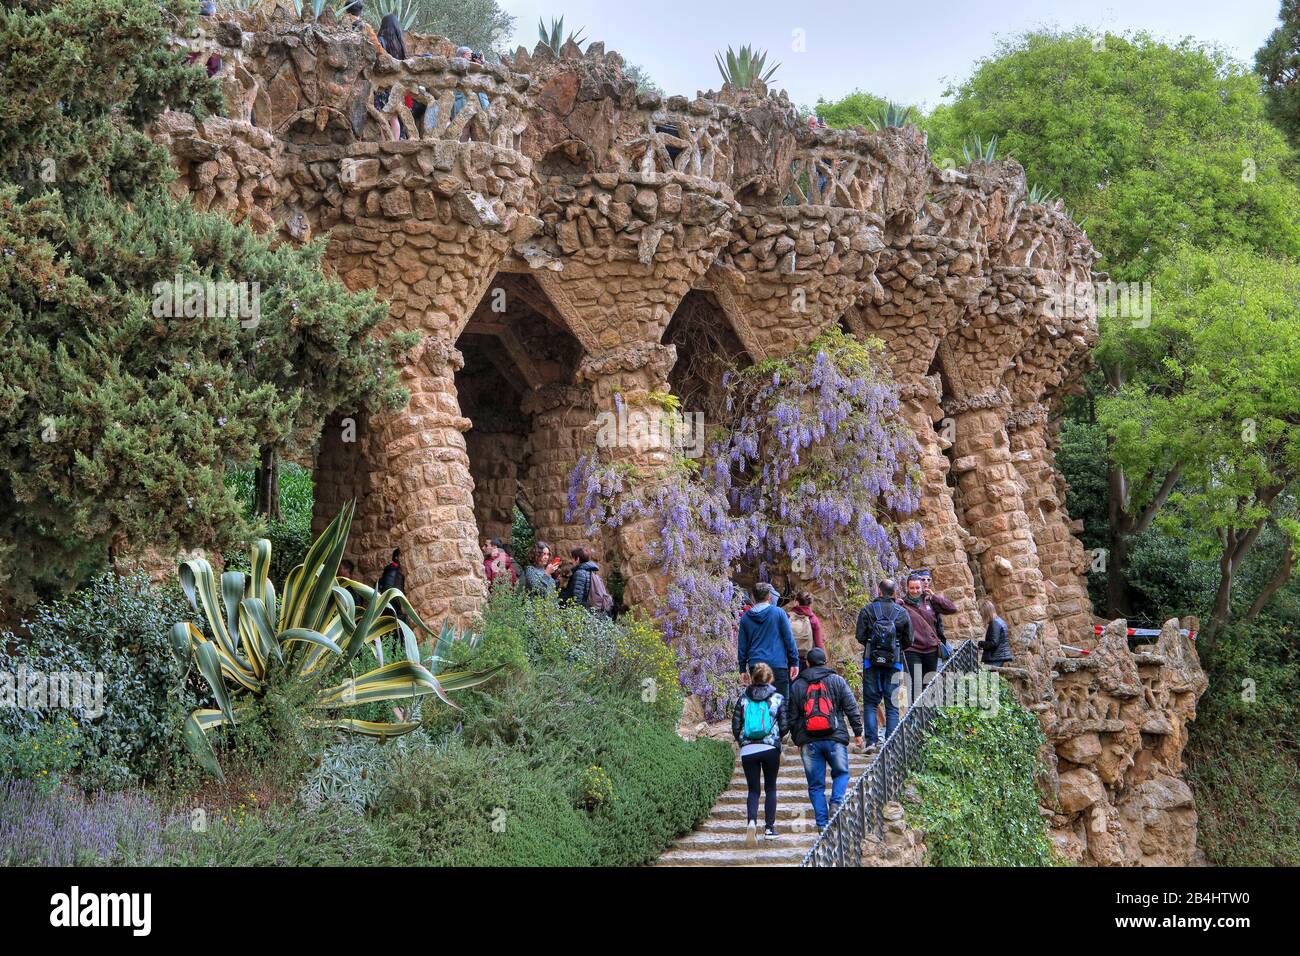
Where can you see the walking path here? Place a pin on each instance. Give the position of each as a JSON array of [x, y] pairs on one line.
[[720, 839]]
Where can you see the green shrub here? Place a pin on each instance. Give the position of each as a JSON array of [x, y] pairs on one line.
[[510, 785], [290, 535], [118, 626], [976, 796], [43, 755]]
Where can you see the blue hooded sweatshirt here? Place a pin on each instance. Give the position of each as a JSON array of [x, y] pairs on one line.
[[765, 636]]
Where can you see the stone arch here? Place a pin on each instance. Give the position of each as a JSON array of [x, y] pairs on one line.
[[707, 346], [515, 347]]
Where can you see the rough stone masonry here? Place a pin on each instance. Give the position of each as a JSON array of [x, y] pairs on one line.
[[569, 246]]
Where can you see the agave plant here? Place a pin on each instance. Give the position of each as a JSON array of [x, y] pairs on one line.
[[554, 37], [310, 634], [312, 9], [740, 70], [406, 11], [892, 115], [975, 148], [1037, 194]]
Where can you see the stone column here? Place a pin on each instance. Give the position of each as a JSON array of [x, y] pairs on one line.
[[992, 495], [621, 384], [561, 415], [497, 447], [1060, 554], [944, 550], [426, 494]]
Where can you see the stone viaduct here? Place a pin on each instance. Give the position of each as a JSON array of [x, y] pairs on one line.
[[569, 246]]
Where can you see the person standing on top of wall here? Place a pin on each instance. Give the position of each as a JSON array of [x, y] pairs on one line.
[[539, 577], [497, 562], [923, 609], [759, 720], [885, 631], [805, 626], [997, 641], [765, 637]]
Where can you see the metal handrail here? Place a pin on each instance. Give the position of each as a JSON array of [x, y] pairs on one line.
[[840, 844]]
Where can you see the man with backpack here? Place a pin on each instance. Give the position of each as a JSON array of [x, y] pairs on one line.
[[822, 709], [586, 587], [764, 637], [885, 631]]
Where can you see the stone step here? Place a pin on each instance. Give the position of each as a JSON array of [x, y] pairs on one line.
[[786, 810], [760, 856], [735, 840], [737, 824]]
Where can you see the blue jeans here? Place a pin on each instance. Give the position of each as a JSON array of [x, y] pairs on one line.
[[816, 755], [878, 685]]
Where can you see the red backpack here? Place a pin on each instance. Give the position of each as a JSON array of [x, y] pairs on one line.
[[820, 717]]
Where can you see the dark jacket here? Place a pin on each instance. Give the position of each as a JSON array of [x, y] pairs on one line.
[[997, 643], [759, 693], [886, 608], [392, 577], [925, 636], [580, 583], [765, 636], [845, 703]]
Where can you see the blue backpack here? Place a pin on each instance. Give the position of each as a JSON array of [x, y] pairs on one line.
[[758, 719]]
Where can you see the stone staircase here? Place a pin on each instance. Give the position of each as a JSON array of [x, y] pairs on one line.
[[720, 839]]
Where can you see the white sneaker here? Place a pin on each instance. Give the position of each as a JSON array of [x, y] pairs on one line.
[[751, 838]]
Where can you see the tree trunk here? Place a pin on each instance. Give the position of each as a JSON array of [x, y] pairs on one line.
[[266, 486], [1280, 577], [1118, 598]]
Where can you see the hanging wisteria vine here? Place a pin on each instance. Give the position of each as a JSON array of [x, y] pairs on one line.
[[813, 475]]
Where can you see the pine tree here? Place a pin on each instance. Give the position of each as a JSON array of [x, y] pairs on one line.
[[116, 425]]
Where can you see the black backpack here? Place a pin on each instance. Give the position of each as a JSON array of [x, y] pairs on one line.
[[882, 641]]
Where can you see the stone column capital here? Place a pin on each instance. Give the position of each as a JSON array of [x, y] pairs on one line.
[[550, 397], [997, 397], [657, 359], [1035, 414]]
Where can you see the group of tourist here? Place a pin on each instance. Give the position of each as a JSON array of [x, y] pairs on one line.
[[578, 583], [791, 691]]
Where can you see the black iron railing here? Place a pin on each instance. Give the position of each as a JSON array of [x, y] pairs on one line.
[[840, 844]]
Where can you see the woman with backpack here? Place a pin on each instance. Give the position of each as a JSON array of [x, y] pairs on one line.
[[759, 720], [585, 586], [805, 626], [997, 641]]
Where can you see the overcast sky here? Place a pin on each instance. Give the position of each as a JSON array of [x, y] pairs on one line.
[[903, 51]]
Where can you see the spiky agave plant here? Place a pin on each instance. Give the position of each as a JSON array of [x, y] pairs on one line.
[[554, 37], [975, 148], [892, 115], [406, 11], [1038, 194], [740, 70], [309, 635]]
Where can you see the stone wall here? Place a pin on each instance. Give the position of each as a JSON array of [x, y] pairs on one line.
[[542, 224]]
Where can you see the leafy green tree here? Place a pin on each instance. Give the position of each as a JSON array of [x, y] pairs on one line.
[[118, 417], [1155, 147], [1153, 144], [1205, 422], [1278, 62]]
